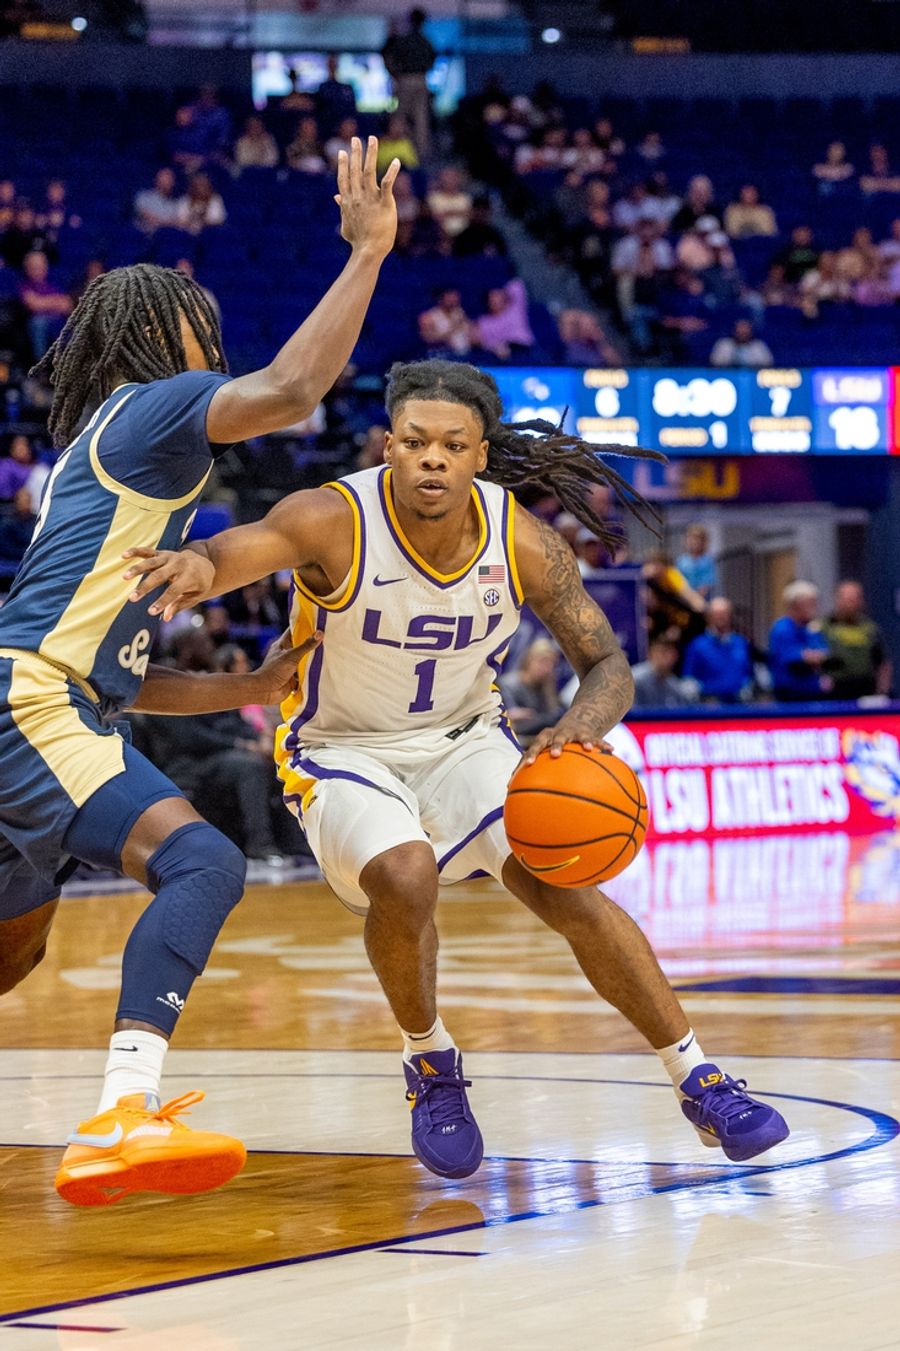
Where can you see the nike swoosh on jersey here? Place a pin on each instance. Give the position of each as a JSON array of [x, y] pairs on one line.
[[98, 1141], [388, 581]]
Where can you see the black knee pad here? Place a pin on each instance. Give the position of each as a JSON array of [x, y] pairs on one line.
[[198, 875]]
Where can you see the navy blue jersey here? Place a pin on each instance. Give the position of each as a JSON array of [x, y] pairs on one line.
[[130, 479]]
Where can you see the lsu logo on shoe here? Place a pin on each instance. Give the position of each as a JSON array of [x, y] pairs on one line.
[[711, 1080]]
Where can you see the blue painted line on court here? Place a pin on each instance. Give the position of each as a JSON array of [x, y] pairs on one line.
[[886, 1129]]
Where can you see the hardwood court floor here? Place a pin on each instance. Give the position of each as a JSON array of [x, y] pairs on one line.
[[598, 1219]]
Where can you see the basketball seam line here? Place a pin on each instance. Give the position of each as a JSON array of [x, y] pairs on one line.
[[583, 755], [580, 797]]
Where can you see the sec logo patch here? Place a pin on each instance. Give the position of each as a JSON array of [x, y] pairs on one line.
[[492, 597]]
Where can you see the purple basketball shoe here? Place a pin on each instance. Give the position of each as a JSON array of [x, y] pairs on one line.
[[445, 1135], [722, 1113]]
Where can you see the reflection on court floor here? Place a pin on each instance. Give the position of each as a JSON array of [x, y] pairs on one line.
[[598, 1218]]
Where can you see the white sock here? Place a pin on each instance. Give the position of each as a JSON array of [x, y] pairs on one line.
[[437, 1038], [682, 1057], [134, 1066]]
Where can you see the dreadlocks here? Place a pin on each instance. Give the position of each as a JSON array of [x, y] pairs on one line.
[[126, 327], [549, 457]]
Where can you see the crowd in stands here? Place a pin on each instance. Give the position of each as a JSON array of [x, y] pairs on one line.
[[681, 236]]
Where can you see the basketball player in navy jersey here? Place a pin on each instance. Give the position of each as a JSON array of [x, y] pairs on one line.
[[395, 751], [144, 345]]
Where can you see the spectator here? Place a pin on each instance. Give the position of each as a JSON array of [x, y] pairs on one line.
[[36, 480], [296, 100], [858, 665], [776, 289], [696, 564], [743, 348], [25, 236], [584, 156], [655, 682], [16, 532], [341, 140], [890, 248], [683, 310], [823, 285], [93, 268], [304, 154], [187, 143], [720, 660], [371, 452], [481, 237], [593, 556], [798, 649], [211, 123], [46, 305], [220, 755], [662, 203], [409, 57], [449, 202], [878, 286], [256, 148], [54, 215], [605, 137], [592, 247], [693, 249], [748, 217], [584, 341], [504, 330], [335, 100], [157, 206], [880, 177], [185, 266], [8, 197], [395, 143], [201, 207], [651, 148], [834, 170], [673, 606], [722, 281], [699, 200], [531, 693], [799, 256], [859, 258], [446, 328], [639, 264], [631, 209], [16, 467], [545, 153]]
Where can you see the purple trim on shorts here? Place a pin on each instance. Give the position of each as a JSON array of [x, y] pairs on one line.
[[382, 498], [311, 706], [494, 815], [320, 772]]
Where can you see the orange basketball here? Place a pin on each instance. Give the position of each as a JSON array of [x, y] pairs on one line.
[[577, 819]]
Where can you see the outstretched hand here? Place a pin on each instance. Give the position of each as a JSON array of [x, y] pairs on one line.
[[278, 676], [368, 212], [187, 576]]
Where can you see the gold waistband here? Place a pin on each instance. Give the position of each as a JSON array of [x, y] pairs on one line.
[[17, 653]]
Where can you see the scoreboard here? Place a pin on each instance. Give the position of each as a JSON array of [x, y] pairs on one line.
[[705, 411]]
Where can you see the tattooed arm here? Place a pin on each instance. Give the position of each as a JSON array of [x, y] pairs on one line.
[[554, 590]]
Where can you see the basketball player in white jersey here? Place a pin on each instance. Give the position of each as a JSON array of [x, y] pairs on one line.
[[395, 752]]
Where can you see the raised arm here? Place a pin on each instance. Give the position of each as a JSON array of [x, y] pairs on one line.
[[554, 590], [289, 388], [312, 529]]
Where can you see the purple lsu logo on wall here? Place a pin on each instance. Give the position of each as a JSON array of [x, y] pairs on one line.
[[431, 633]]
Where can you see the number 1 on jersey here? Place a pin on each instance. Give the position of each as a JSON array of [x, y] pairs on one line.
[[424, 673]]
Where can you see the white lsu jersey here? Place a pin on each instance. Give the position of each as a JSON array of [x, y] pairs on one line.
[[409, 654]]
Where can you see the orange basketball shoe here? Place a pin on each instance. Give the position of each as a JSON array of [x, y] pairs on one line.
[[137, 1147]]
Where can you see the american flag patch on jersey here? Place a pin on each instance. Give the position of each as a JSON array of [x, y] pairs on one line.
[[492, 574]]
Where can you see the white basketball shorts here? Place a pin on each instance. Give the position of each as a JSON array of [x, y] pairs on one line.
[[360, 805]]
